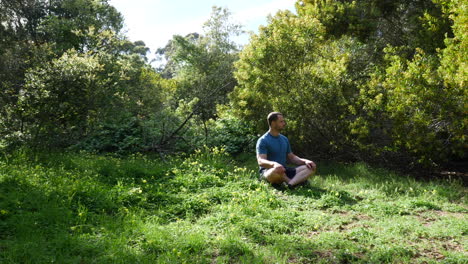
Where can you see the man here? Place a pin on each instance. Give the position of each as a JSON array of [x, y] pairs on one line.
[[273, 150]]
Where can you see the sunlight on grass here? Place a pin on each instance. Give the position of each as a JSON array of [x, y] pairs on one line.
[[208, 208]]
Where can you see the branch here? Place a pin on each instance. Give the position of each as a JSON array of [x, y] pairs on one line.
[[174, 133]]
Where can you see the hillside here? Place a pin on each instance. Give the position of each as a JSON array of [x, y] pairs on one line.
[[206, 208]]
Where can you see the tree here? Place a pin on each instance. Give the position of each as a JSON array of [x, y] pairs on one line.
[[202, 64], [413, 24], [168, 58], [68, 76], [35, 32], [362, 79], [413, 104]]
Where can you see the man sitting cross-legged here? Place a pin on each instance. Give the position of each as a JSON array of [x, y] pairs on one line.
[[273, 150]]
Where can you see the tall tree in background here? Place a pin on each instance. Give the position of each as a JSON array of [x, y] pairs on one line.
[[409, 100], [169, 64], [67, 74], [35, 32], [362, 78], [202, 64]]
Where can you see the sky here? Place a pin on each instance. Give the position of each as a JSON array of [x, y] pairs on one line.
[[156, 21]]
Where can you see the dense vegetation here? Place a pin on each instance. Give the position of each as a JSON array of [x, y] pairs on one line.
[[70, 78], [106, 159], [382, 79], [205, 208], [358, 80]]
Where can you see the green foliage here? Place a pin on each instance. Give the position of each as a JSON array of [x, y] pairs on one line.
[[425, 114], [203, 64], [65, 18], [419, 102], [56, 97], [66, 72], [370, 80], [290, 68], [33, 33], [235, 135], [203, 208], [398, 23], [120, 137]]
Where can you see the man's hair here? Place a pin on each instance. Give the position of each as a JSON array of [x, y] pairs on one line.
[[273, 116]]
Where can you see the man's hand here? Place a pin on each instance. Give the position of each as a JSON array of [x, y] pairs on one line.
[[279, 167], [311, 165]]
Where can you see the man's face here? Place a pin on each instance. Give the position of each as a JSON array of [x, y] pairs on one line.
[[279, 124]]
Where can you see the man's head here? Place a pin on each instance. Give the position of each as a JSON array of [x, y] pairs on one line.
[[276, 121]]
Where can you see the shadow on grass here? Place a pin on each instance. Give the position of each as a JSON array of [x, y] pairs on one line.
[[41, 226], [389, 182], [325, 198]]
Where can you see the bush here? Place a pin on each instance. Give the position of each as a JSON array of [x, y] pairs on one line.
[[236, 135], [397, 98]]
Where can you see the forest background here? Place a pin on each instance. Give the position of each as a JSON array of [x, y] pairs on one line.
[[374, 81], [106, 159]]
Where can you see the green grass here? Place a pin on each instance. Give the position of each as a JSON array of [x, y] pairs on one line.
[[206, 208]]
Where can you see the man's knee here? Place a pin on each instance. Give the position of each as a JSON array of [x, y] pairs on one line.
[[275, 175], [310, 171], [278, 170], [275, 178]]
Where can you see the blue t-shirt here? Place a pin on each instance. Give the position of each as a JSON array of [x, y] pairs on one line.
[[276, 148]]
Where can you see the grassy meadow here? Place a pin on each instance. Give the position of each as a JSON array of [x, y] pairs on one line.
[[211, 208]]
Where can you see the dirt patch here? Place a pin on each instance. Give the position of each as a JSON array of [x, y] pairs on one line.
[[452, 245], [438, 245], [427, 224], [324, 254], [313, 233], [431, 253], [451, 214], [356, 221], [364, 217], [340, 212], [428, 220]]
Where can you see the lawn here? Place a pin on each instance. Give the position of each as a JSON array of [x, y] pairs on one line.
[[210, 208]]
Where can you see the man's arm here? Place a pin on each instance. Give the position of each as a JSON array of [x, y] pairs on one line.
[[300, 161], [263, 162]]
